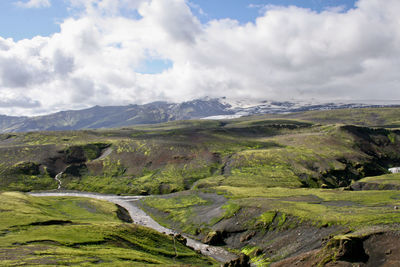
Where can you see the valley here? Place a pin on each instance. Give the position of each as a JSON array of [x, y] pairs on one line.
[[298, 189]]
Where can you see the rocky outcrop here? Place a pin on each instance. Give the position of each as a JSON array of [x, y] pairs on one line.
[[374, 249], [242, 261], [214, 238], [350, 249], [123, 214], [72, 160], [181, 239], [247, 236]]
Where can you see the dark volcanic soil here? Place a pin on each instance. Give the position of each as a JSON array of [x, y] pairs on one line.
[[380, 249]]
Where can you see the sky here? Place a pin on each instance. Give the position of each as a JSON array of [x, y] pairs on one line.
[[72, 54]]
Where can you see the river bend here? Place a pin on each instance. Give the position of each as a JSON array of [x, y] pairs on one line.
[[140, 217]]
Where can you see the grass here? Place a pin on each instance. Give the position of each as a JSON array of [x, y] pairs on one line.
[[323, 207], [87, 233], [114, 178], [26, 183], [266, 168], [383, 179], [260, 260], [177, 209], [230, 210], [373, 117], [320, 207], [267, 218]]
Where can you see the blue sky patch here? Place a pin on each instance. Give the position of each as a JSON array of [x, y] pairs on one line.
[[154, 66], [246, 10], [24, 23]]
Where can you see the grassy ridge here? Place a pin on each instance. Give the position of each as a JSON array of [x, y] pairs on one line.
[[351, 209], [172, 157], [79, 231], [383, 179], [320, 206], [149, 159], [370, 117]]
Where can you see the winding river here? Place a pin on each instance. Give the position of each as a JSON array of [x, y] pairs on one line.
[[140, 217]]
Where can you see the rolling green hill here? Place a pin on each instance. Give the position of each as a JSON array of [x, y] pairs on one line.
[[62, 231], [172, 157]]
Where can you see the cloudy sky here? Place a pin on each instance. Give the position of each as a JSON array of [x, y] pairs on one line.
[[70, 54]]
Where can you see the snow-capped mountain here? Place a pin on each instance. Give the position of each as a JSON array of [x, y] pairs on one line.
[[157, 112]]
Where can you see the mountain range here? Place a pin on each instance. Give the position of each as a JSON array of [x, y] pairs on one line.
[[157, 112]]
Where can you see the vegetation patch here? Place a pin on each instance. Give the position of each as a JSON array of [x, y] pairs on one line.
[[178, 209], [256, 256], [266, 218]]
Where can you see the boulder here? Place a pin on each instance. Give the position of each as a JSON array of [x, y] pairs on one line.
[[247, 236], [123, 214]]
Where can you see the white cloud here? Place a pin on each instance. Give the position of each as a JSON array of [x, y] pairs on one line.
[[286, 53], [34, 4], [197, 7], [337, 9]]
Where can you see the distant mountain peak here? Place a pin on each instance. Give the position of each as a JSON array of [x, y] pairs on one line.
[[161, 111]]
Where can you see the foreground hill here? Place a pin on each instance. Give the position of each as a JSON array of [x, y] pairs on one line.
[[66, 231], [275, 187]]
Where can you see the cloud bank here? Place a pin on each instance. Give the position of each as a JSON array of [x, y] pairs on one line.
[[287, 53]]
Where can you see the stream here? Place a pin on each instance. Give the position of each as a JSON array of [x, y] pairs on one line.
[[140, 217], [57, 178]]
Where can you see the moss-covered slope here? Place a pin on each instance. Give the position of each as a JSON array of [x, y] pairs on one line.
[[81, 232]]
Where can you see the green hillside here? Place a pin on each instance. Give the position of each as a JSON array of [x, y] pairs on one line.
[[81, 232], [172, 157]]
